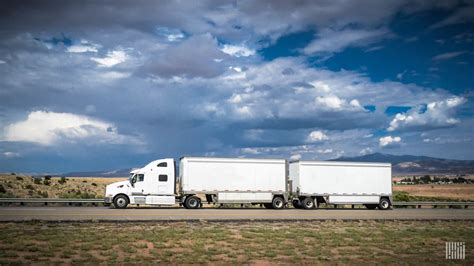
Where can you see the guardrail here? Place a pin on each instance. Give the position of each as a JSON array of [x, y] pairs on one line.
[[419, 204], [45, 201]]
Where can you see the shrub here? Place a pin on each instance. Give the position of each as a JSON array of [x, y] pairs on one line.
[[94, 184], [47, 177], [19, 178], [84, 181], [401, 196], [2, 189], [43, 194], [62, 180], [29, 187], [47, 182], [37, 181]]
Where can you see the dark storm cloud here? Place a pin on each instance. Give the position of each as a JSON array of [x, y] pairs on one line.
[[157, 75], [198, 56]]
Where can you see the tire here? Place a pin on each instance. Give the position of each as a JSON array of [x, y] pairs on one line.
[[384, 204], [121, 202], [278, 203], [308, 203], [371, 206], [297, 204], [192, 202]]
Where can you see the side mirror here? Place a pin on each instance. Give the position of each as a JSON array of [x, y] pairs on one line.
[[134, 180]]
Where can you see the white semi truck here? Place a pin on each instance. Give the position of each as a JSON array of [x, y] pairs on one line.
[[270, 182], [215, 180]]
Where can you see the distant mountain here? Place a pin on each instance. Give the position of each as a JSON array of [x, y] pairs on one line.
[[410, 164], [112, 173]]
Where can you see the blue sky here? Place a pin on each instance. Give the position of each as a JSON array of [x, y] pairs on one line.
[[125, 83]]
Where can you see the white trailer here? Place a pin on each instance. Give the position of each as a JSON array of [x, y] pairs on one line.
[[341, 183], [215, 180]]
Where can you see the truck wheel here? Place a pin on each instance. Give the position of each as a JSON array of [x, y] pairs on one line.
[[121, 202], [297, 204], [278, 203], [371, 206], [384, 204], [308, 203], [192, 202]]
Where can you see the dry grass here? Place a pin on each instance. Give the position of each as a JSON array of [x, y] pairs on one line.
[[355, 242], [445, 191], [24, 187]]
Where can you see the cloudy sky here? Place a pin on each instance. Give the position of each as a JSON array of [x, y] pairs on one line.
[[91, 85]]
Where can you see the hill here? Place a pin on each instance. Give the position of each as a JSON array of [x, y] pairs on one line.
[[411, 164], [110, 173]]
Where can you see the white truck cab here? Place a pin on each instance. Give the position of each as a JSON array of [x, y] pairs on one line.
[[153, 184]]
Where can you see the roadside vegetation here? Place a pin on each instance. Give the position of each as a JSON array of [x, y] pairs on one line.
[[354, 242], [19, 186]]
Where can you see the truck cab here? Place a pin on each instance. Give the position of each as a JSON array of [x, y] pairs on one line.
[[153, 184]]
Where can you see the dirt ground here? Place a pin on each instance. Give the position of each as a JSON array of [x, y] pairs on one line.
[[447, 191], [257, 243], [87, 187], [19, 186]]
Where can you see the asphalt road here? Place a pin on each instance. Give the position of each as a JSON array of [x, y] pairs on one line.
[[176, 214]]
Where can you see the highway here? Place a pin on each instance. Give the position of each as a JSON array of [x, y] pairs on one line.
[[213, 214]]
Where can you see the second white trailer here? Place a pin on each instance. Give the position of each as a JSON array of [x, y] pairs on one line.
[[316, 182]]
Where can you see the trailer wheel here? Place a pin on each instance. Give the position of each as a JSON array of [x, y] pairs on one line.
[[121, 202], [278, 203], [308, 203], [384, 204], [297, 204], [371, 206], [192, 202]]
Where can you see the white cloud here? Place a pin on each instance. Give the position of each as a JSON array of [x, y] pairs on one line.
[[49, 128], [334, 102], [325, 151], [83, 47], [10, 154], [401, 74], [330, 101], [113, 58], [172, 35], [437, 114], [366, 151], [237, 50], [295, 157], [112, 75], [389, 140], [447, 56], [252, 151], [2, 62], [315, 136], [332, 41]]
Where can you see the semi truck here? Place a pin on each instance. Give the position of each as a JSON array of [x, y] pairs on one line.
[[215, 180], [269, 182]]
